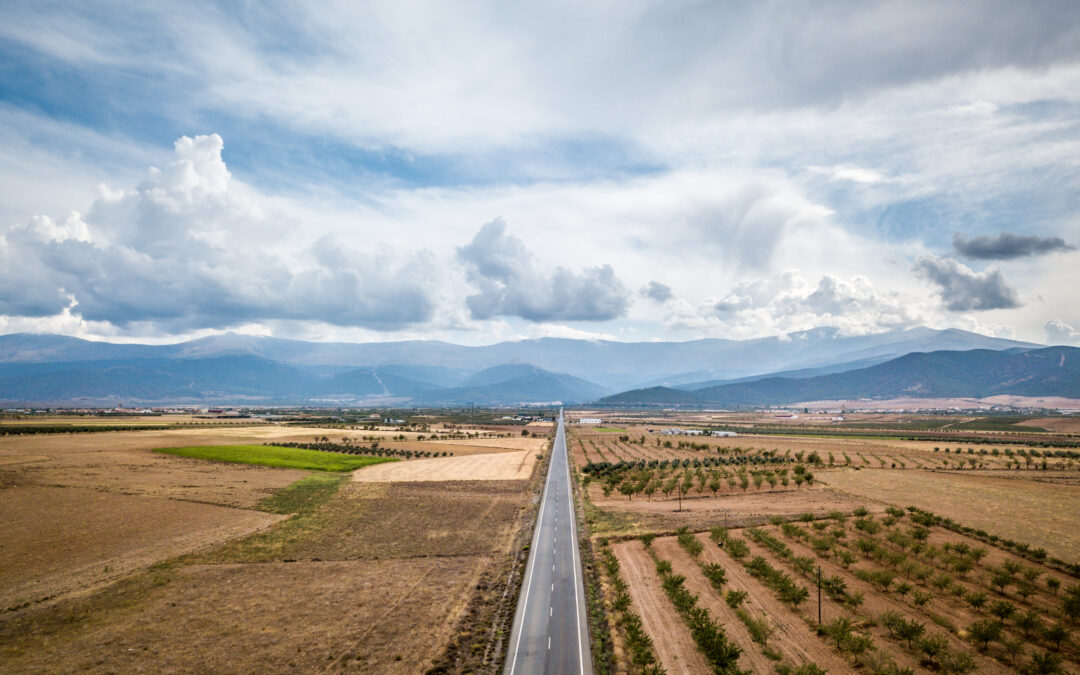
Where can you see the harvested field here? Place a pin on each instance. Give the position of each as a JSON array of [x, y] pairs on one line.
[[57, 539], [1040, 514], [506, 465], [374, 616], [390, 520]]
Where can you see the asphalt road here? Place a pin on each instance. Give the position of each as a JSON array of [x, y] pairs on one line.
[[551, 632]]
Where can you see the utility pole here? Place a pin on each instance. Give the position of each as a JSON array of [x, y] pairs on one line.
[[819, 596]]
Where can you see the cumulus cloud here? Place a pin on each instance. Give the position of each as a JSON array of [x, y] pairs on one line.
[[963, 289], [1007, 246], [657, 291], [512, 282], [789, 302], [187, 249], [1060, 333]]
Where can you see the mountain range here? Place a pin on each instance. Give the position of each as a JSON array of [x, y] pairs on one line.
[[976, 373], [230, 368]]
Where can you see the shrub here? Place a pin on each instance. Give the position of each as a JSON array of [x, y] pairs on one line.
[[737, 548], [715, 573], [735, 598]]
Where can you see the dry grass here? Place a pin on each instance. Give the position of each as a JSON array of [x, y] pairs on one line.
[[374, 616]]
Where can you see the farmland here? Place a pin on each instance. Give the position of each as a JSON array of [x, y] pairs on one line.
[[273, 455], [709, 547], [242, 566]]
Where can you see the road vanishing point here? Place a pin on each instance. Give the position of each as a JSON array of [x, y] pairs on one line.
[[551, 630]]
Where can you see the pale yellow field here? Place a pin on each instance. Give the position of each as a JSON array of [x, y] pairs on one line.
[[512, 465]]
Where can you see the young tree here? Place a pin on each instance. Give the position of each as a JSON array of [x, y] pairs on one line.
[[1029, 622], [1046, 663], [909, 630], [985, 631], [934, 646], [1002, 609], [1057, 634]]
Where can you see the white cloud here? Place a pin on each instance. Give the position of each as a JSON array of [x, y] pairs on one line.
[[1060, 333], [187, 250], [513, 283]]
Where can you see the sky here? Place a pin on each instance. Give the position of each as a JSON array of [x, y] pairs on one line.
[[477, 172]]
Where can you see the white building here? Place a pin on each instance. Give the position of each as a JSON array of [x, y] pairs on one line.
[[590, 420], [681, 432], [724, 434]]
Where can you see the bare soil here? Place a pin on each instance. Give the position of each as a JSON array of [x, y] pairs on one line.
[[675, 648], [738, 509], [59, 539], [793, 638]]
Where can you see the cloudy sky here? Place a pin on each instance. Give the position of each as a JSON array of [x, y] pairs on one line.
[[468, 172]]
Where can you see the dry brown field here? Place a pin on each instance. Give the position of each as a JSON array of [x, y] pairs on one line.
[[123, 420], [56, 540], [730, 508], [1040, 514], [154, 563]]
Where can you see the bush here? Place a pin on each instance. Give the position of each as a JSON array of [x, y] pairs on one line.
[[735, 598], [715, 574]]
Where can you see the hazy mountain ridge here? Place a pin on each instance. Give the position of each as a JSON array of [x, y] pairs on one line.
[[1050, 371], [59, 370], [613, 365]]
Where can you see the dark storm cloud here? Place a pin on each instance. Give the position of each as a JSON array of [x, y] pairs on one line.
[[963, 289], [1007, 246], [513, 283]]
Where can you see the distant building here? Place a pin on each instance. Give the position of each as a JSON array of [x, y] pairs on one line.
[[681, 432], [590, 420], [724, 434]]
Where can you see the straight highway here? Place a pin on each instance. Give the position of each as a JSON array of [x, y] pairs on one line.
[[551, 631]]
